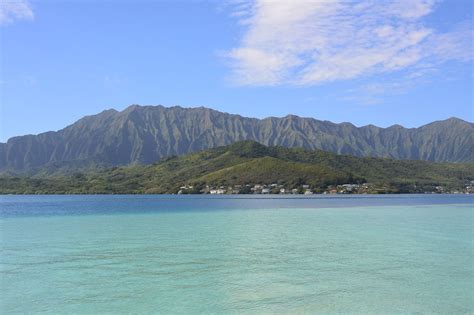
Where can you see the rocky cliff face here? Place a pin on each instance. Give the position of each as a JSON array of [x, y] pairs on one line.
[[145, 134]]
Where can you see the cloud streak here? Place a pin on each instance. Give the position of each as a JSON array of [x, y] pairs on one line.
[[15, 10], [312, 42]]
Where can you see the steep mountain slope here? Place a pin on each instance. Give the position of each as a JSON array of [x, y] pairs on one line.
[[145, 134], [249, 163]]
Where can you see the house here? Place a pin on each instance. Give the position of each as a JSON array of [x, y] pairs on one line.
[[308, 192], [282, 190], [265, 191]]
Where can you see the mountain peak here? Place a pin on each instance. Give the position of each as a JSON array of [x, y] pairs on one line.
[[456, 120]]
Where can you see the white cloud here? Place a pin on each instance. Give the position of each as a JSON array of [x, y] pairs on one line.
[[13, 10], [309, 42]]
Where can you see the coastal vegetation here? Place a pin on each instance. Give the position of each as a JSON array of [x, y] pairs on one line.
[[239, 167]]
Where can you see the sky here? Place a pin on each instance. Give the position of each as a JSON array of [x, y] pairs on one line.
[[406, 62]]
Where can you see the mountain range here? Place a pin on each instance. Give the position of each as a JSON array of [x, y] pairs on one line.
[[146, 134]]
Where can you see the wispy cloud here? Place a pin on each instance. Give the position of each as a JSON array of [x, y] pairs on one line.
[[114, 81], [14, 10], [309, 42], [375, 93], [29, 80]]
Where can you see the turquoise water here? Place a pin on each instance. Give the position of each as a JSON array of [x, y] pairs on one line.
[[154, 254]]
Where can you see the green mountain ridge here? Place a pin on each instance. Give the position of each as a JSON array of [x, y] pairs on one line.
[[146, 134], [249, 163]]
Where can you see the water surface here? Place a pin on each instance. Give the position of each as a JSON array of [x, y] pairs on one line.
[[196, 254]]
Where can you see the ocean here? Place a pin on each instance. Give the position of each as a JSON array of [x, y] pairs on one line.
[[101, 254]]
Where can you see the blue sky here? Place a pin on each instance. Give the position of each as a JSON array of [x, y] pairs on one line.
[[367, 62]]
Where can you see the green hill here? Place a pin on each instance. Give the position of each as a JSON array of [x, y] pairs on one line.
[[249, 163]]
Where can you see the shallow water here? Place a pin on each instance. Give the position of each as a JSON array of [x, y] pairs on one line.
[[187, 254]]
